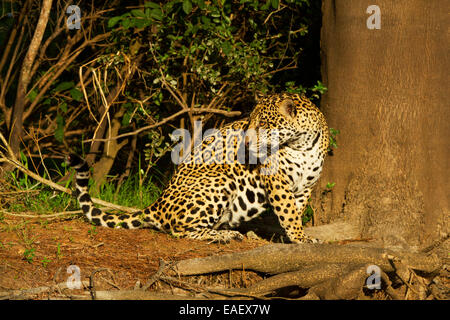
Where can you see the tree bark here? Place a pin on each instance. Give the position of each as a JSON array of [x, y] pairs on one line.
[[24, 79], [387, 96]]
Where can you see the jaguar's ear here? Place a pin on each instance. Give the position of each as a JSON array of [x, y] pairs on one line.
[[288, 108]]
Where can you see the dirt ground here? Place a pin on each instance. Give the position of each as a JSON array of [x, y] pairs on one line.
[[38, 253], [35, 254]]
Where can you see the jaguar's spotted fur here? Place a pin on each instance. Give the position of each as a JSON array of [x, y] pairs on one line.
[[205, 195]]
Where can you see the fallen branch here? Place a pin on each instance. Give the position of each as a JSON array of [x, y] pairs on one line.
[[42, 216], [211, 292], [139, 295], [29, 293], [55, 215]]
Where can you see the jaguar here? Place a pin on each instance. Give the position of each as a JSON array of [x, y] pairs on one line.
[[217, 189]]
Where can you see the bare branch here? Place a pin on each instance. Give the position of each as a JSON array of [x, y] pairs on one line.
[[197, 110]]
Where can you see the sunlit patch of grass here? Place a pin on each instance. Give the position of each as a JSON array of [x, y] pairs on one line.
[[131, 192]]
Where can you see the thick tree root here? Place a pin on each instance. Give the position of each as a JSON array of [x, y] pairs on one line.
[[304, 271], [327, 271], [279, 258]]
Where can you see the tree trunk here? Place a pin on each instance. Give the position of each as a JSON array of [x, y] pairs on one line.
[[387, 95], [24, 79]]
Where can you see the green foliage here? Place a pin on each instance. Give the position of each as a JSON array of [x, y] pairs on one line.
[[19, 180], [333, 141], [29, 254], [314, 92], [37, 198], [76, 94], [308, 214], [330, 185], [93, 230], [63, 86], [132, 193], [197, 47], [45, 262], [58, 251], [43, 202], [59, 131], [195, 52]]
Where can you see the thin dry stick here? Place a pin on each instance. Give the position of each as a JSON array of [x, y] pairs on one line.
[[54, 215], [91, 287], [46, 216], [83, 88], [197, 110], [163, 266], [224, 292], [36, 142]]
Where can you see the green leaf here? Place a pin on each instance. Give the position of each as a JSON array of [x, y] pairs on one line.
[[32, 95], [156, 14], [201, 4], [226, 47], [141, 23], [265, 6], [149, 4], [330, 185], [126, 118], [113, 21], [138, 13], [23, 158], [126, 23], [275, 3], [64, 86], [187, 6], [59, 131], [308, 214], [205, 20], [63, 107], [76, 94], [334, 131]]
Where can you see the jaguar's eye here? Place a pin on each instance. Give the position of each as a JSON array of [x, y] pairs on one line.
[[262, 123]]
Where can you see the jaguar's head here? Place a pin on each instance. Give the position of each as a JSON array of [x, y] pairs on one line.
[[280, 120]]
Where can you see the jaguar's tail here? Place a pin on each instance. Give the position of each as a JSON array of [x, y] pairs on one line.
[[138, 219]]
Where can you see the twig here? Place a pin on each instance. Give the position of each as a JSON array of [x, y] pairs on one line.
[[54, 215], [18, 191], [402, 272], [200, 289], [163, 266], [436, 244], [197, 110], [91, 287], [273, 12]]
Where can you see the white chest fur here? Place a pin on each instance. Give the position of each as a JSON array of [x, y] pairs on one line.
[[303, 168]]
